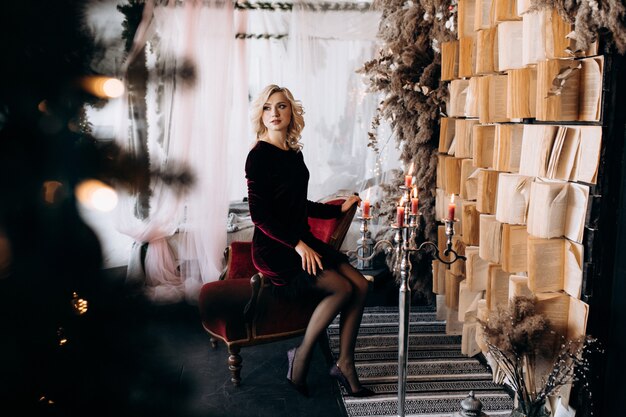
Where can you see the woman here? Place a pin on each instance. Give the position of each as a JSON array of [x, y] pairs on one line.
[[283, 248]]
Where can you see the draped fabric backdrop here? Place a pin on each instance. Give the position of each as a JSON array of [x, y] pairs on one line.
[[200, 117], [188, 103]]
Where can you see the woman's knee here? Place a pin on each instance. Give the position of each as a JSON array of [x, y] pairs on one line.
[[336, 284]]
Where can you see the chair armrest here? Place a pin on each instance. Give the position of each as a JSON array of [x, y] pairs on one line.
[[249, 311], [226, 257]]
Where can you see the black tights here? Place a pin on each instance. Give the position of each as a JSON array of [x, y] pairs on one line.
[[347, 290]]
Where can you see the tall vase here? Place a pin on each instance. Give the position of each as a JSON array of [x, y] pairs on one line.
[[532, 410]]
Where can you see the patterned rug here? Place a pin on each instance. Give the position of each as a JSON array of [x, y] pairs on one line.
[[439, 376]]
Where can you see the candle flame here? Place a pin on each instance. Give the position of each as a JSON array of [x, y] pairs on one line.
[[410, 172], [451, 198], [367, 197], [401, 203], [414, 192]]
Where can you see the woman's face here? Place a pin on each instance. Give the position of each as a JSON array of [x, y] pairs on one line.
[[277, 112]]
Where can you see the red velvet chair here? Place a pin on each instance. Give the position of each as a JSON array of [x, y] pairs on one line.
[[241, 310]]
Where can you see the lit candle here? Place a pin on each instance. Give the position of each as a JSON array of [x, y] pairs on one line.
[[414, 201], [366, 208], [400, 213], [408, 178], [451, 208]]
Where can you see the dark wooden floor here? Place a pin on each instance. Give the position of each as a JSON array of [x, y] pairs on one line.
[[129, 357]]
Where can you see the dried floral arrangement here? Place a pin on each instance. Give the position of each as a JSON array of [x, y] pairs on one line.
[[591, 19], [516, 338], [406, 73]]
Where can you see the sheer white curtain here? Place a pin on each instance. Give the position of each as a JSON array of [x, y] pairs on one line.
[[187, 107], [325, 49]]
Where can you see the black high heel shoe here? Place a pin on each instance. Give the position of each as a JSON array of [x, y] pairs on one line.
[[301, 388], [336, 373]]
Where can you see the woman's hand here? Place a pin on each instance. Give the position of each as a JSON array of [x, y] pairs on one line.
[[311, 260], [349, 202]]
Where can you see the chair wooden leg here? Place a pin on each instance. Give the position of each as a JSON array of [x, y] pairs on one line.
[[234, 364], [213, 342]]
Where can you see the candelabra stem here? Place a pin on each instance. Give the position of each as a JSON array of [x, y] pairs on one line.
[[404, 307]]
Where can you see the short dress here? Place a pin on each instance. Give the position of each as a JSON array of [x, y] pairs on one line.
[[279, 208]]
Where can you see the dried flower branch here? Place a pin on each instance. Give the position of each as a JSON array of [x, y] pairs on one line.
[[515, 338]]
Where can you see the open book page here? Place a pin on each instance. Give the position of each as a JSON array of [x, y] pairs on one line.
[[452, 175], [513, 197], [468, 191], [441, 170], [483, 138], [449, 60], [545, 264], [505, 10], [591, 89], [558, 87], [472, 99], [458, 245], [508, 147], [577, 318], [514, 254], [483, 14], [471, 184], [547, 208], [482, 312], [490, 238], [466, 13], [509, 43], [537, 143], [486, 51], [518, 286], [522, 93], [497, 287], [471, 223], [467, 56], [466, 299], [573, 270], [441, 277], [475, 269], [533, 38], [446, 133], [498, 98], [555, 306], [577, 199], [464, 143], [566, 161], [588, 157], [435, 270], [523, 6], [469, 346], [555, 152], [557, 29], [452, 290], [487, 191], [458, 92]]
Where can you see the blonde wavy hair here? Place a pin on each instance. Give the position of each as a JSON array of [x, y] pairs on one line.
[[297, 111]]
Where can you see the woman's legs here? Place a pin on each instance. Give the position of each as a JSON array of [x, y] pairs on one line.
[[339, 291], [346, 289], [350, 322]]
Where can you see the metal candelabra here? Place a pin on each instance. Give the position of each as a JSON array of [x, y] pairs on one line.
[[404, 243]]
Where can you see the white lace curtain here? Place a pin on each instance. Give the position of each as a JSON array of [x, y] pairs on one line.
[[206, 123]]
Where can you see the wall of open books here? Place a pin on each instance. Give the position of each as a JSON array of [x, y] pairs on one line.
[[520, 147]]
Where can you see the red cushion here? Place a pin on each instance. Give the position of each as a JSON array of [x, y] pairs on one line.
[[221, 307], [323, 229], [240, 263]]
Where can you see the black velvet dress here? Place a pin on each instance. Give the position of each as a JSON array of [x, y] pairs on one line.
[[277, 195]]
